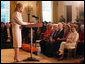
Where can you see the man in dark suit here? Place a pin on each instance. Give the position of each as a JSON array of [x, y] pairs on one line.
[[56, 40], [62, 19]]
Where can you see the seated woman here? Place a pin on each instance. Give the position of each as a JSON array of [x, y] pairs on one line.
[[48, 32], [47, 35], [49, 45], [70, 42], [67, 31], [80, 46]]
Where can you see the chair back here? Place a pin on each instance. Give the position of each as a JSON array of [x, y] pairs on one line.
[[77, 42]]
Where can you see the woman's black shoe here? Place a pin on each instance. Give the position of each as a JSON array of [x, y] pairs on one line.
[[61, 57]]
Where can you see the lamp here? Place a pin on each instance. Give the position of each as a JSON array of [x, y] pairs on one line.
[[30, 8]]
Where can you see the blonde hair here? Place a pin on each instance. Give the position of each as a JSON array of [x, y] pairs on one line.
[[74, 26], [18, 5], [82, 26]]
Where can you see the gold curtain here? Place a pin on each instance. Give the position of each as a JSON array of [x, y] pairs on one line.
[[39, 9], [55, 11], [12, 7]]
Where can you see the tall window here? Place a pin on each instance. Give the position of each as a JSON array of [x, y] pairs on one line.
[[47, 10], [5, 11]]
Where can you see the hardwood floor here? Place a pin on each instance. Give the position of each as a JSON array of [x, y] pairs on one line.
[[7, 57]]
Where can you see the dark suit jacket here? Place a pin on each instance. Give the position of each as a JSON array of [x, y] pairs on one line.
[[59, 34], [11, 33], [3, 35]]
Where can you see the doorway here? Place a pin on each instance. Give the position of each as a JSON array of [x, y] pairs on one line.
[[69, 13]]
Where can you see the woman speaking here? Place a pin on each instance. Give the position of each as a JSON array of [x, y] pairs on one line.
[[17, 22]]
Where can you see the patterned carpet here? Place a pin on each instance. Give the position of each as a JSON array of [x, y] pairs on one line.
[[7, 57]]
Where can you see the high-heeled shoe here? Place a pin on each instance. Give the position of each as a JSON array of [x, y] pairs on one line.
[[61, 57], [16, 60]]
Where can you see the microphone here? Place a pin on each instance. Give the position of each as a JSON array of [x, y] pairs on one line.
[[35, 17]]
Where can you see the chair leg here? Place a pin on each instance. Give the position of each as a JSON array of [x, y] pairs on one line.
[[69, 54], [74, 53]]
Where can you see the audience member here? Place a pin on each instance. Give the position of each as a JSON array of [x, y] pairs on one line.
[[80, 46], [70, 42], [48, 32], [49, 44], [46, 39], [81, 20], [62, 19], [55, 29], [26, 35], [9, 32], [3, 34], [43, 29], [59, 35], [9, 41], [64, 24], [78, 27]]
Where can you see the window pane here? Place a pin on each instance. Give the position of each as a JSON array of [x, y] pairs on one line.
[[5, 11], [47, 10]]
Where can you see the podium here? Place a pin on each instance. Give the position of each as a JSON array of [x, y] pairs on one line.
[[31, 58]]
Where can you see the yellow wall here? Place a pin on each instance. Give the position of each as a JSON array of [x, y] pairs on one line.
[[26, 4], [74, 10], [12, 7], [62, 9], [39, 10], [25, 7], [55, 11], [58, 8]]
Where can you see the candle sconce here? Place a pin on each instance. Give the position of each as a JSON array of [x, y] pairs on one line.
[[30, 9]]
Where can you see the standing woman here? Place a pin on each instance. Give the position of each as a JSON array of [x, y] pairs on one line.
[[17, 22]]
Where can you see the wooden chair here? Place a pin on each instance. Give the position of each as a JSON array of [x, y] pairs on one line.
[[72, 50]]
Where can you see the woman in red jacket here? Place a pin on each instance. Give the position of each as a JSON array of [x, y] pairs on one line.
[[46, 39], [48, 32]]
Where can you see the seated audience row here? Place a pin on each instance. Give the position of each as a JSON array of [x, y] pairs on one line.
[[70, 42], [80, 46], [6, 35], [61, 37], [54, 38]]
